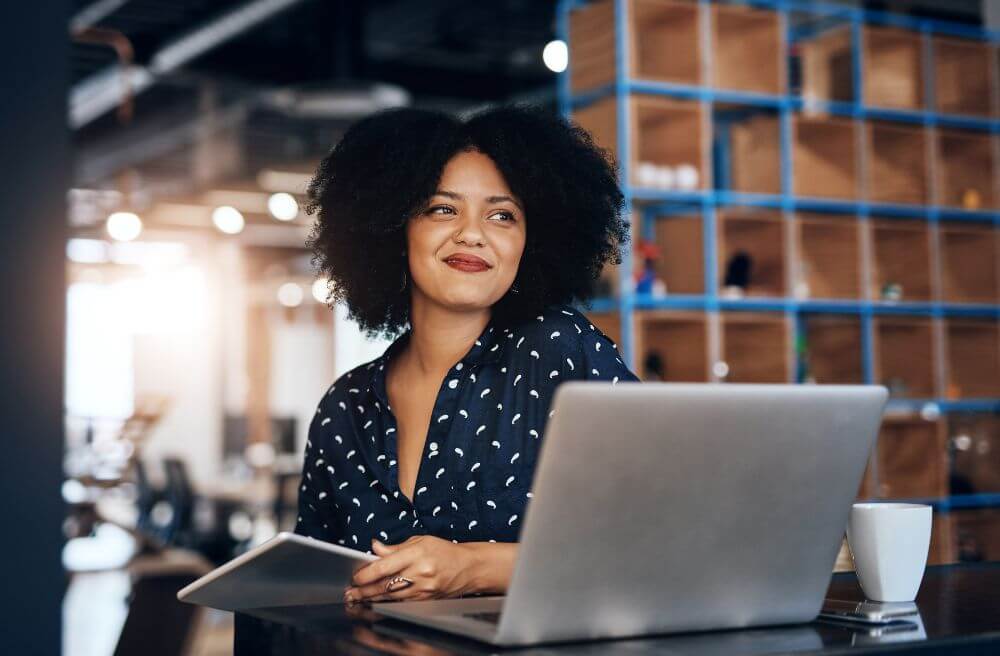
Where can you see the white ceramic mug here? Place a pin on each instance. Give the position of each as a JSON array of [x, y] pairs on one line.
[[889, 544]]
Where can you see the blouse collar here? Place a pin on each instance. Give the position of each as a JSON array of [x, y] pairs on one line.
[[488, 348]]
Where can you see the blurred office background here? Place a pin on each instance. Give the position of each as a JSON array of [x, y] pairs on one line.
[[813, 193]]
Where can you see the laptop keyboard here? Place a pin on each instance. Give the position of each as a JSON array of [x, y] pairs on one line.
[[492, 618]]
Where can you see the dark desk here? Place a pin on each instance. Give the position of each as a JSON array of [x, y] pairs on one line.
[[959, 610]]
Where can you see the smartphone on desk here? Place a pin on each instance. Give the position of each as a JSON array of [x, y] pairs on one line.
[[867, 612]]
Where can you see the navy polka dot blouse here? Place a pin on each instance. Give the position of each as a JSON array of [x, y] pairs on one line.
[[474, 478]]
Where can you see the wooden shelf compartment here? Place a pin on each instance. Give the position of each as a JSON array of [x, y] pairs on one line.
[[827, 66], [912, 460], [672, 346], [901, 251], [974, 442], [976, 534], [663, 131], [893, 68], [669, 132], [754, 152], [904, 356], [897, 163], [965, 169], [653, 23], [969, 262], [759, 234], [973, 358], [829, 251], [833, 349], [681, 264], [755, 348], [747, 49], [962, 76], [824, 157], [591, 46]]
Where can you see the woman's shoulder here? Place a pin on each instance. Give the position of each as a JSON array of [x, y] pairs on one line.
[[561, 324], [352, 383]]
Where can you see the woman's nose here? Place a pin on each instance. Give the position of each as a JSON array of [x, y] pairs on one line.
[[469, 230]]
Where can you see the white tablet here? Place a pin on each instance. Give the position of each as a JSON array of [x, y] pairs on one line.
[[287, 570]]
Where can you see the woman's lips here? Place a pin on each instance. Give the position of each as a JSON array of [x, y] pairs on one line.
[[467, 262], [467, 266]]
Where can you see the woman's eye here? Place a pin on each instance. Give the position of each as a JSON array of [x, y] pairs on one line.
[[434, 210], [507, 216]]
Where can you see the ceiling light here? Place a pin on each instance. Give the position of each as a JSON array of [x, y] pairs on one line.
[[228, 219], [124, 226], [290, 294], [320, 289], [556, 56], [283, 206]]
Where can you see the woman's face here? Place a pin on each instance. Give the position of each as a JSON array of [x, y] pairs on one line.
[[473, 213]]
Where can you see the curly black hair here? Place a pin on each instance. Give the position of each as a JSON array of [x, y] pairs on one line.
[[387, 166]]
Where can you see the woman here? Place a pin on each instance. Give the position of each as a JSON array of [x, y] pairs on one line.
[[474, 236]]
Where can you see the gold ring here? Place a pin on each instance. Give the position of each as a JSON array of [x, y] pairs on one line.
[[397, 583]]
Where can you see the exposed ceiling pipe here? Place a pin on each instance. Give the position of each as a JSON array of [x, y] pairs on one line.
[[93, 14], [106, 89], [123, 48]]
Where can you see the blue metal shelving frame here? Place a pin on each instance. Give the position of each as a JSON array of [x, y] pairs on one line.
[[652, 204]]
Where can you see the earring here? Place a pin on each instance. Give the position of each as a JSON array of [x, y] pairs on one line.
[[514, 289], [403, 288]]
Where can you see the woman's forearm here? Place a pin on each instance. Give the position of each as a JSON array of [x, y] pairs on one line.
[[492, 566]]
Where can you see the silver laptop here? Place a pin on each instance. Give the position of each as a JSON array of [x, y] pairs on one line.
[[661, 507]]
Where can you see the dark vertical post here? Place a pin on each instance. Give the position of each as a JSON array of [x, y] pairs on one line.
[[34, 151]]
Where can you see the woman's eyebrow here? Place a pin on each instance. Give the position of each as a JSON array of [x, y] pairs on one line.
[[489, 199]]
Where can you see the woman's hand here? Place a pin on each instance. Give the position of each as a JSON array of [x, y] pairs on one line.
[[438, 569]]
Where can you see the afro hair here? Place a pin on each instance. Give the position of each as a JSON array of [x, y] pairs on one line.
[[386, 167]]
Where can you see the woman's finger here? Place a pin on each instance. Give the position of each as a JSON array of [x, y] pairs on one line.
[[383, 567], [419, 589], [378, 589]]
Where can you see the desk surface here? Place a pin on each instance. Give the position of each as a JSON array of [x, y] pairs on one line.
[[959, 612]]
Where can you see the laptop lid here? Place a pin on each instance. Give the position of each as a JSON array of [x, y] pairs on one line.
[[663, 507]]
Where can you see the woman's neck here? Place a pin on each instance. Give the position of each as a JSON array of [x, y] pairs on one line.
[[439, 336]]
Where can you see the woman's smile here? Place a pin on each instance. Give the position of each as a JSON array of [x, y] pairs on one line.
[[467, 262]]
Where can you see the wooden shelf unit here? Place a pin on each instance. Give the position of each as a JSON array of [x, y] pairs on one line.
[[755, 347], [680, 339], [827, 66], [681, 264], [755, 154], [973, 357], [974, 441], [761, 235], [966, 169], [962, 72], [904, 356], [747, 49], [653, 23], [912, 459], [669, 133], [824, 157], [897, 163], [970, 255], [665, 132], [829, 253], [893, 68], [833, 348], [901, 253], [592, 46]]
